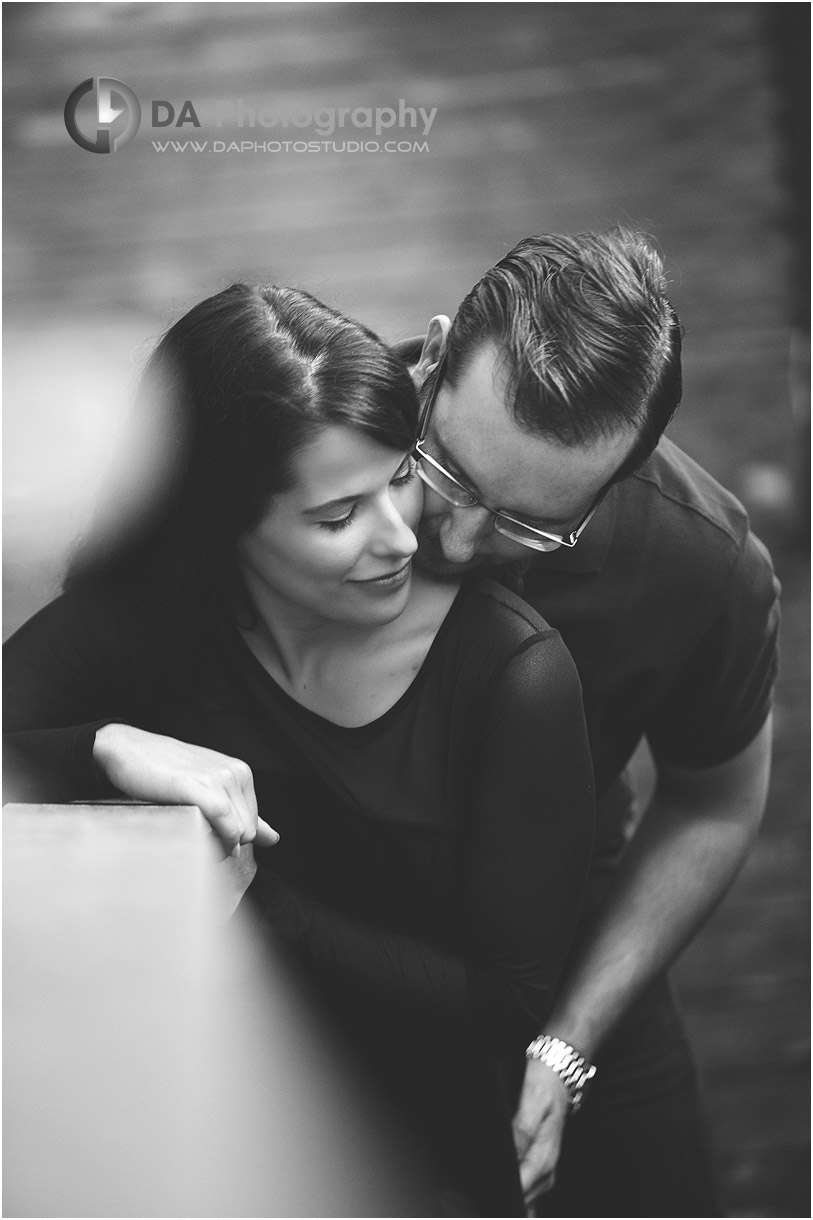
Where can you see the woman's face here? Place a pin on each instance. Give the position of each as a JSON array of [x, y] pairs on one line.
[[337, 547]]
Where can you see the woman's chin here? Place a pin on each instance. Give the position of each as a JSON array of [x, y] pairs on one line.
[[374, 606]]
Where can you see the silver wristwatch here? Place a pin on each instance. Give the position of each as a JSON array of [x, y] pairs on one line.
[[572, 1068]]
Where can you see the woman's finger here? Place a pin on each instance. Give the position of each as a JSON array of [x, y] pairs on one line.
[[260, 832], [266, 835], [245, 800], [219, 811]]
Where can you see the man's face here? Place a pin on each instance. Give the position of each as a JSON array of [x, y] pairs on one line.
[[547, 484]]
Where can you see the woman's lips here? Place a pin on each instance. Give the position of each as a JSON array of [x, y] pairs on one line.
[[390, 580]]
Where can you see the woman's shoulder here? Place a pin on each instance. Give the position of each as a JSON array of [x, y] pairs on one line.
[[84, 617], [497, 648], [491, 605], [492, 629], [67, 608]]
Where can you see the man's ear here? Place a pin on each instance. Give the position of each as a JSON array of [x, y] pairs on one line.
[[434, 345]]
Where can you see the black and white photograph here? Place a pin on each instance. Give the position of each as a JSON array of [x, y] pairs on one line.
[[406, 609]]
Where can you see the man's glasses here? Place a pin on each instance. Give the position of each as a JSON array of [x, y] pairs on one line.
[[454, 492]]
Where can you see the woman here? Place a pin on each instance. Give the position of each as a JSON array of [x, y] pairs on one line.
[[265, 646]]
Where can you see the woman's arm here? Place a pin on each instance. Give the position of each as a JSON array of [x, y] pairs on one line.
[[64, 676], [532, 832], [528, 836], [69, 690]]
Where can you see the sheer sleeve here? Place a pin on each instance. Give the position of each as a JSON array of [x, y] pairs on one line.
[[64, 676], [525, 852]]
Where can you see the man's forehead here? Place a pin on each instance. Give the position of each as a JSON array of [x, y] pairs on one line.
[[477, 475], [476, 405], [507, 466]]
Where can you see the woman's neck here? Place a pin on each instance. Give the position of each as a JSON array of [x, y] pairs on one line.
[[349, 673]]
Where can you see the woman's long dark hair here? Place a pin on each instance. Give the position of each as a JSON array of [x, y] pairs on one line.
[[245, 379]]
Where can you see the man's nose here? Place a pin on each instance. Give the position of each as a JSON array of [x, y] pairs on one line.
[[462, 531]]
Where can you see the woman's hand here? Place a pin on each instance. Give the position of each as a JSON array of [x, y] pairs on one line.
[[234, 875], [149, 767]]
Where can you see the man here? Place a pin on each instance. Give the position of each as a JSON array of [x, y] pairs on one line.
[[546, 399]]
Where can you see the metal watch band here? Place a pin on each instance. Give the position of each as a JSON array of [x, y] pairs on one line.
[[572, 1068]]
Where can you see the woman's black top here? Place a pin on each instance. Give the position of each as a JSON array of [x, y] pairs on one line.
[[431, 863]]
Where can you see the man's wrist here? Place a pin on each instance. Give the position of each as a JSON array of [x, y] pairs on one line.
[[568, 1027], [572, 1068]]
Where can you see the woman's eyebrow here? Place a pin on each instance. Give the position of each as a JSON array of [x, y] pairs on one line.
[[350, 498], [339, 502]]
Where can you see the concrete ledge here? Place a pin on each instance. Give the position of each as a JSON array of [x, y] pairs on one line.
[[160, 1060]]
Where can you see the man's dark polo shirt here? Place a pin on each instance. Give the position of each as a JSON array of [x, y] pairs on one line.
[[669, 606]]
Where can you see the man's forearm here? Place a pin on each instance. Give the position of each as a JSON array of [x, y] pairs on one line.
[[664, 891], [685, 854]]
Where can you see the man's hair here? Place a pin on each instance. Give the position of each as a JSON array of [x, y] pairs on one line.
[[590, 344]]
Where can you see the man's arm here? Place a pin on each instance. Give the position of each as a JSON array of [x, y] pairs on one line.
[[686, 852]]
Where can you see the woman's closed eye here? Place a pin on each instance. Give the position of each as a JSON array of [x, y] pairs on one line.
[[338, 523], [405, 472], [403, 475]]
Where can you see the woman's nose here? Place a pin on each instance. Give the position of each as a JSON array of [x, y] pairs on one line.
[[394, 536]]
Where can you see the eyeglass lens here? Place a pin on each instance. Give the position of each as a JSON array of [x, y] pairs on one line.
[[440, 482]]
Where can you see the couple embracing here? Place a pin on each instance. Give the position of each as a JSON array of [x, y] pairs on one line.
[[400, 619]]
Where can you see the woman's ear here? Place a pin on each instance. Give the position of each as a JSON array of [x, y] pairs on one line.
[[434, 345]]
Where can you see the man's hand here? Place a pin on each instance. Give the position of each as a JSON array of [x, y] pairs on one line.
[[149, 767], [538, 1128], [684, 855]]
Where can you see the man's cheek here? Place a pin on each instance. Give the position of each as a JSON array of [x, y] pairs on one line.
[[433, 505]]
